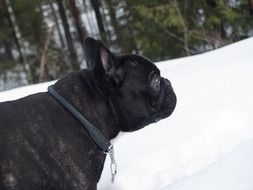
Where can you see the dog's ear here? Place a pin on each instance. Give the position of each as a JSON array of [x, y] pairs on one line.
[[98, 56], [91, 54], [102, 61]]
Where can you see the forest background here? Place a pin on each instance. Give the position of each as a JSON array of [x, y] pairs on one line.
[[42, 40]]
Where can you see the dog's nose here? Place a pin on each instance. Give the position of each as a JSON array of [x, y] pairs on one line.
[[166, 82]]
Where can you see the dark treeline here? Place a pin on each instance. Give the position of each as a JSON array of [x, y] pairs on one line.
[[42, 40]]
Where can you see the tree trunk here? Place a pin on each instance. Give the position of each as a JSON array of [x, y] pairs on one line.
[[44, 55], [114, 21], [73, 56], [7, 48], [90, 23], [57, 24], [251, 6], [95, 5], [185, 28], [82, 33], [211, 3], [17, 38]]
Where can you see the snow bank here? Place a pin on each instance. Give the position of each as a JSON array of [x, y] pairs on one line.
[[213, 116], [206, 143], [233, 171], [24, 91]]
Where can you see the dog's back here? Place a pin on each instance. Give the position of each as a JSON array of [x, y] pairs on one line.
[[20, 136], [40, 147]]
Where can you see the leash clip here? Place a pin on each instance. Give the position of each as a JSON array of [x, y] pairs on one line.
[[113, 164]]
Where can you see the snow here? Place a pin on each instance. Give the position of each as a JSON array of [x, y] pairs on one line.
[[224, 174], [24, 91], [206, 143]]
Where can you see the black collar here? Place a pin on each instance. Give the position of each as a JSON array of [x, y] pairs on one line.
[[94, 133]]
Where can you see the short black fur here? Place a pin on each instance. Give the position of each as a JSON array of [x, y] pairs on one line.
[[43, 147]]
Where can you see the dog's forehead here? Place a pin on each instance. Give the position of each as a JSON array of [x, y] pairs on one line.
[[140, 61]]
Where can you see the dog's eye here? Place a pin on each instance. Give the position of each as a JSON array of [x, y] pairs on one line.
[[157, 80], [155, 83]]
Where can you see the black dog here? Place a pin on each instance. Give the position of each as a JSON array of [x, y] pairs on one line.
[[43, 147]]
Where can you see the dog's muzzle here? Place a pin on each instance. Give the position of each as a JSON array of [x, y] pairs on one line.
[[167, 101]]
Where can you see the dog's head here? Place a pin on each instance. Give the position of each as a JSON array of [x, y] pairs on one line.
[[140, 94]]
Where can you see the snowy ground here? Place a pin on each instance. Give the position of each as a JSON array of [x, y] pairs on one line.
[[207, 142]]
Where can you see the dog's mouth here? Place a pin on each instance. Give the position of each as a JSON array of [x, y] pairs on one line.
[[166, 103]]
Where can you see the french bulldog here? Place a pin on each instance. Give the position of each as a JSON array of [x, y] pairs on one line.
[[43, 147]]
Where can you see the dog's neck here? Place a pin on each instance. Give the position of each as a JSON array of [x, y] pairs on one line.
[[73, 90]]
